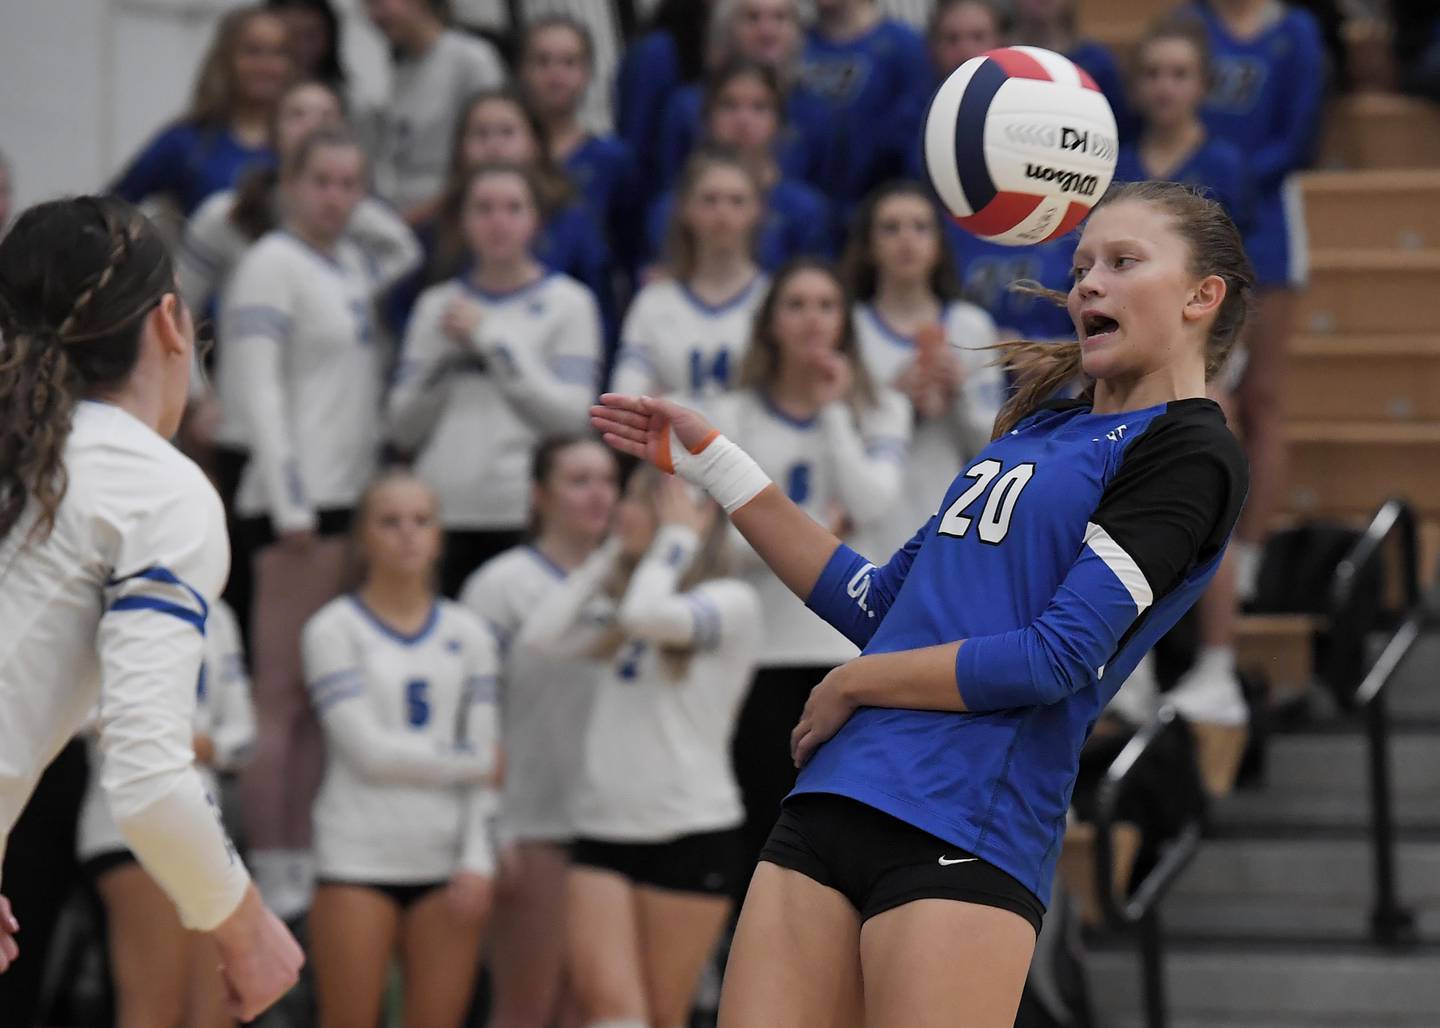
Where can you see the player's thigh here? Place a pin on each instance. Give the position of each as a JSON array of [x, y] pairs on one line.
[[353, 932], [148, 948], [941, 963], [795, 960], [678, 933], [440, 954], [206, 987], [603, 944], [527, 939]]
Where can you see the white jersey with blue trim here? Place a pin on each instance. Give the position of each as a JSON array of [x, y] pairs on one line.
[[214, 245], [844, 470], [223, 711], [675, 667], [411, 743], [545, 699], [473, 412], [941, 445], [674, 343], [304, 358], [110, 609]]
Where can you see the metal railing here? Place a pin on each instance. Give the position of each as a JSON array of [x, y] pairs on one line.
[[1141, 911], [1354, 618]]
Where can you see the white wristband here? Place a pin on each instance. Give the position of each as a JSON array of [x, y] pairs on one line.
[[721, 468]]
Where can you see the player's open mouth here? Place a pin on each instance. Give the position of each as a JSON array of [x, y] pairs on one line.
[[1097, 326]]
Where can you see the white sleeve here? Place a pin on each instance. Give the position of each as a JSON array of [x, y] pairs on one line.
[[171, 562], [232, 725], [421, 386], [337, 683], [635, 369], [390, 247], [978, 403], [653, 609], [483, 68], [256, 326], [869, 457], [550, 383], [482, 735], [486, 595], [206, 251], [560, 626]]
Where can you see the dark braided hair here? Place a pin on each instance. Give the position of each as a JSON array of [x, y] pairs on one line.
[[77, 277]]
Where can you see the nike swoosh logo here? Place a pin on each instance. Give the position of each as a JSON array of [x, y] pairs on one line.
[[957, 860]]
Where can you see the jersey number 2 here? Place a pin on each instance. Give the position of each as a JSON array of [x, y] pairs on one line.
[[999, 506]]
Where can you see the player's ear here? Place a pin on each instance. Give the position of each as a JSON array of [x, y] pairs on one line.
[[1205, 298], [171, 325]]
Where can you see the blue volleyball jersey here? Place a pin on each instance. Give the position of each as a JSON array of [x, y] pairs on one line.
[[987, 271], [607, 178], [1060, 555], [804, 149], [649, 72], [1216, 167], [797, 222], [877, 86], [1267, 92], [188, 163], [1099, 61]]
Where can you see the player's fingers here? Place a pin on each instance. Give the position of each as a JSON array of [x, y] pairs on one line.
[[621, 417], [804, 748], [622, 401], [625, 445], [7, 916], [8, 951], [639, 433]]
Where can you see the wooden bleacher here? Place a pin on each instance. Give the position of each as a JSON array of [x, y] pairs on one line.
[[1381, 130]]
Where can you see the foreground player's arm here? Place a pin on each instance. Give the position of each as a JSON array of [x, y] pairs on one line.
[[170, 562], [337, 685]]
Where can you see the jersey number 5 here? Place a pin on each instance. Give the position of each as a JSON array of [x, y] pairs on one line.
[[999, 506]]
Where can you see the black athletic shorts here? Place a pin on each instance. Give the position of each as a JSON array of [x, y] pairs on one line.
[[402, 894], [94, 868], [879, 862], [708, 862]]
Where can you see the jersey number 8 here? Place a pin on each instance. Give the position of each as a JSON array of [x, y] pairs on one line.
[[999, 507]]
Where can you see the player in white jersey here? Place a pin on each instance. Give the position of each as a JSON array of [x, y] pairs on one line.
[[164, 974], [545, 704], [404, 684], [112, 547], [917, 335], [494, 361], [436, 70], [809, 410], [687, 331], [658, 812], [302, 350]]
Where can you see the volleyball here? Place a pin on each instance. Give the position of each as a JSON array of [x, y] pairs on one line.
[[1019, 145]]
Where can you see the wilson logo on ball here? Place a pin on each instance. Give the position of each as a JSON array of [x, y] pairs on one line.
[[1019, 144]]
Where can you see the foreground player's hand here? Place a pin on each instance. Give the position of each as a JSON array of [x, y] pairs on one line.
[[826, 712], [640, 426], [468, 896], [259, 958], [8, 927]]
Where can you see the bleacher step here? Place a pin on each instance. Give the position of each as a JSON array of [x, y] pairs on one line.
[[1234, 984], [1340, 466], [1364, 377], [1372, 209], [1284, 887], [1365, 291]]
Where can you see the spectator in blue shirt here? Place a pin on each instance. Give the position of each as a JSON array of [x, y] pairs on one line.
[[227, 127]]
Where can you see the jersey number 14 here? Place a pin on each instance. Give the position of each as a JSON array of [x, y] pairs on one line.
[[994, 520]]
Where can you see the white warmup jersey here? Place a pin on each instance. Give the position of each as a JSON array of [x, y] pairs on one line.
[[214, 245], [417, 124], [834, 466], [410, 732], [940, 446], [672, 342], [111, 608], [657, 751], [545, 699], [223, 712], [303, 355], [473, 414]]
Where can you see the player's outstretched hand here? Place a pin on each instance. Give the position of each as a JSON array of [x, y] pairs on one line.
[[826, 712], [259, 958], [8, 927], [640, 426]]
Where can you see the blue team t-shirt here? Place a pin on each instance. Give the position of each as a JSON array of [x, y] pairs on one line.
[[1215, 166], [797, 223], [188, 163], [1060, 555], [988, 271]]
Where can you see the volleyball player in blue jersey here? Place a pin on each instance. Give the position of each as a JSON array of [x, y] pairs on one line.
[[938, 765]]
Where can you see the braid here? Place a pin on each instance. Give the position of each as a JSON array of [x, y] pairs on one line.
[[37, 389], [119, 249]]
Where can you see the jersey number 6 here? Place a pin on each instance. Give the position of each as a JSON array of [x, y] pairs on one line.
[[999, 507], [417, 702]]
